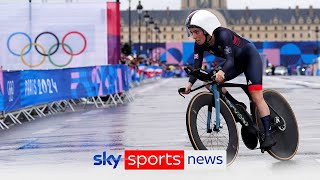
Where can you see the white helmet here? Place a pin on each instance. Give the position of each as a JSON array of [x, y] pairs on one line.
[[203, 19]]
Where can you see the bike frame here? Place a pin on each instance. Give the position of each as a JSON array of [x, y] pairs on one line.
[[216, 90], [216, 99]]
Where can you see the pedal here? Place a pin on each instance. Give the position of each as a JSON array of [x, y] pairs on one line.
[[267, 148]]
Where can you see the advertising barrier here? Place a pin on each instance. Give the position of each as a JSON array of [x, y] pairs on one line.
[[33, 87], [35, 93]]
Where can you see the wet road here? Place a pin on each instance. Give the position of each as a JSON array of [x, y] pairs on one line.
[[154, 120]]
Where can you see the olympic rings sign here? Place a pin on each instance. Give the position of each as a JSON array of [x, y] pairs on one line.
[[52, 50]]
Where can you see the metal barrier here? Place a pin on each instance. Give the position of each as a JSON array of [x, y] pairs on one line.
[[31, 113]]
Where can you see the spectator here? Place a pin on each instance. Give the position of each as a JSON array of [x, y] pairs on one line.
[[272, 69]]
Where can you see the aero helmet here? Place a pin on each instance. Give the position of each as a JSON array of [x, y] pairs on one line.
[[203, 19]]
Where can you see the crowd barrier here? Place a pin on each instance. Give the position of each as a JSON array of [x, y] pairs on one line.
[[38, 93], [144, 73]]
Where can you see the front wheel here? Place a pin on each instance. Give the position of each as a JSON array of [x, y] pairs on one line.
[[287, 134], [196, 120]]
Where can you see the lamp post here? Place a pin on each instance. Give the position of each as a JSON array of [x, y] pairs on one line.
[[152, 46], [139, 10], [130, 42], [156, 30], [159, 32], [146, 19], [151, 22], [317, 51], [317, 41]]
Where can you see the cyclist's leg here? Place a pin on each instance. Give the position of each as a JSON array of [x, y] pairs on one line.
[[253, 74]]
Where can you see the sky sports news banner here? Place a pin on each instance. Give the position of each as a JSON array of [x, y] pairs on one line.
[[162, 160]]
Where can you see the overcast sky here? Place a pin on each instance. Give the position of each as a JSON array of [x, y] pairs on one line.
[[232, 4], [175, 4]]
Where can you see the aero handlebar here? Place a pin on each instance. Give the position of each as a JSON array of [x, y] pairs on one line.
[[201, 75]]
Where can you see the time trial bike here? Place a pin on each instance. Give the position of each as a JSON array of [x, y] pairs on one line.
[[211, 120]]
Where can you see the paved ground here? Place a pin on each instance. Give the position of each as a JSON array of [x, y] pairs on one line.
[[65, 143]]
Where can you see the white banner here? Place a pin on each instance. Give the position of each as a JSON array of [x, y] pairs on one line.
[[62, 35]]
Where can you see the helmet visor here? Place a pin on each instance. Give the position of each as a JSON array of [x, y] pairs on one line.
[[187, 23], [188, 32]]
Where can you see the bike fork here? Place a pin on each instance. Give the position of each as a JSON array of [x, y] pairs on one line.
[[216, 99]]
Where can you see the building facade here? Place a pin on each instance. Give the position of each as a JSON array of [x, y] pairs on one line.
[[259, 25], [210, 4]]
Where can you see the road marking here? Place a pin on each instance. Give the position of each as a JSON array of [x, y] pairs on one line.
[[4, 149], [310, 139], [154, 86], [45, 131], [299, 82], [73, 120]]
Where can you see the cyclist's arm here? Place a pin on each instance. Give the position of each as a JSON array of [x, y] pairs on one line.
[[198, 58], [226, 41]]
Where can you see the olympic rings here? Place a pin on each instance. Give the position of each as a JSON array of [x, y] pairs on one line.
[[35, 41], [22, 58], [58, 65], [52, 50], [25, 34], [84, 39]]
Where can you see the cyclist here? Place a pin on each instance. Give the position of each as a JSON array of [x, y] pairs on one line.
[[240, 56]]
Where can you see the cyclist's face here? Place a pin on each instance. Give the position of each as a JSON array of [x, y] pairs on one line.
[[197, 35]]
